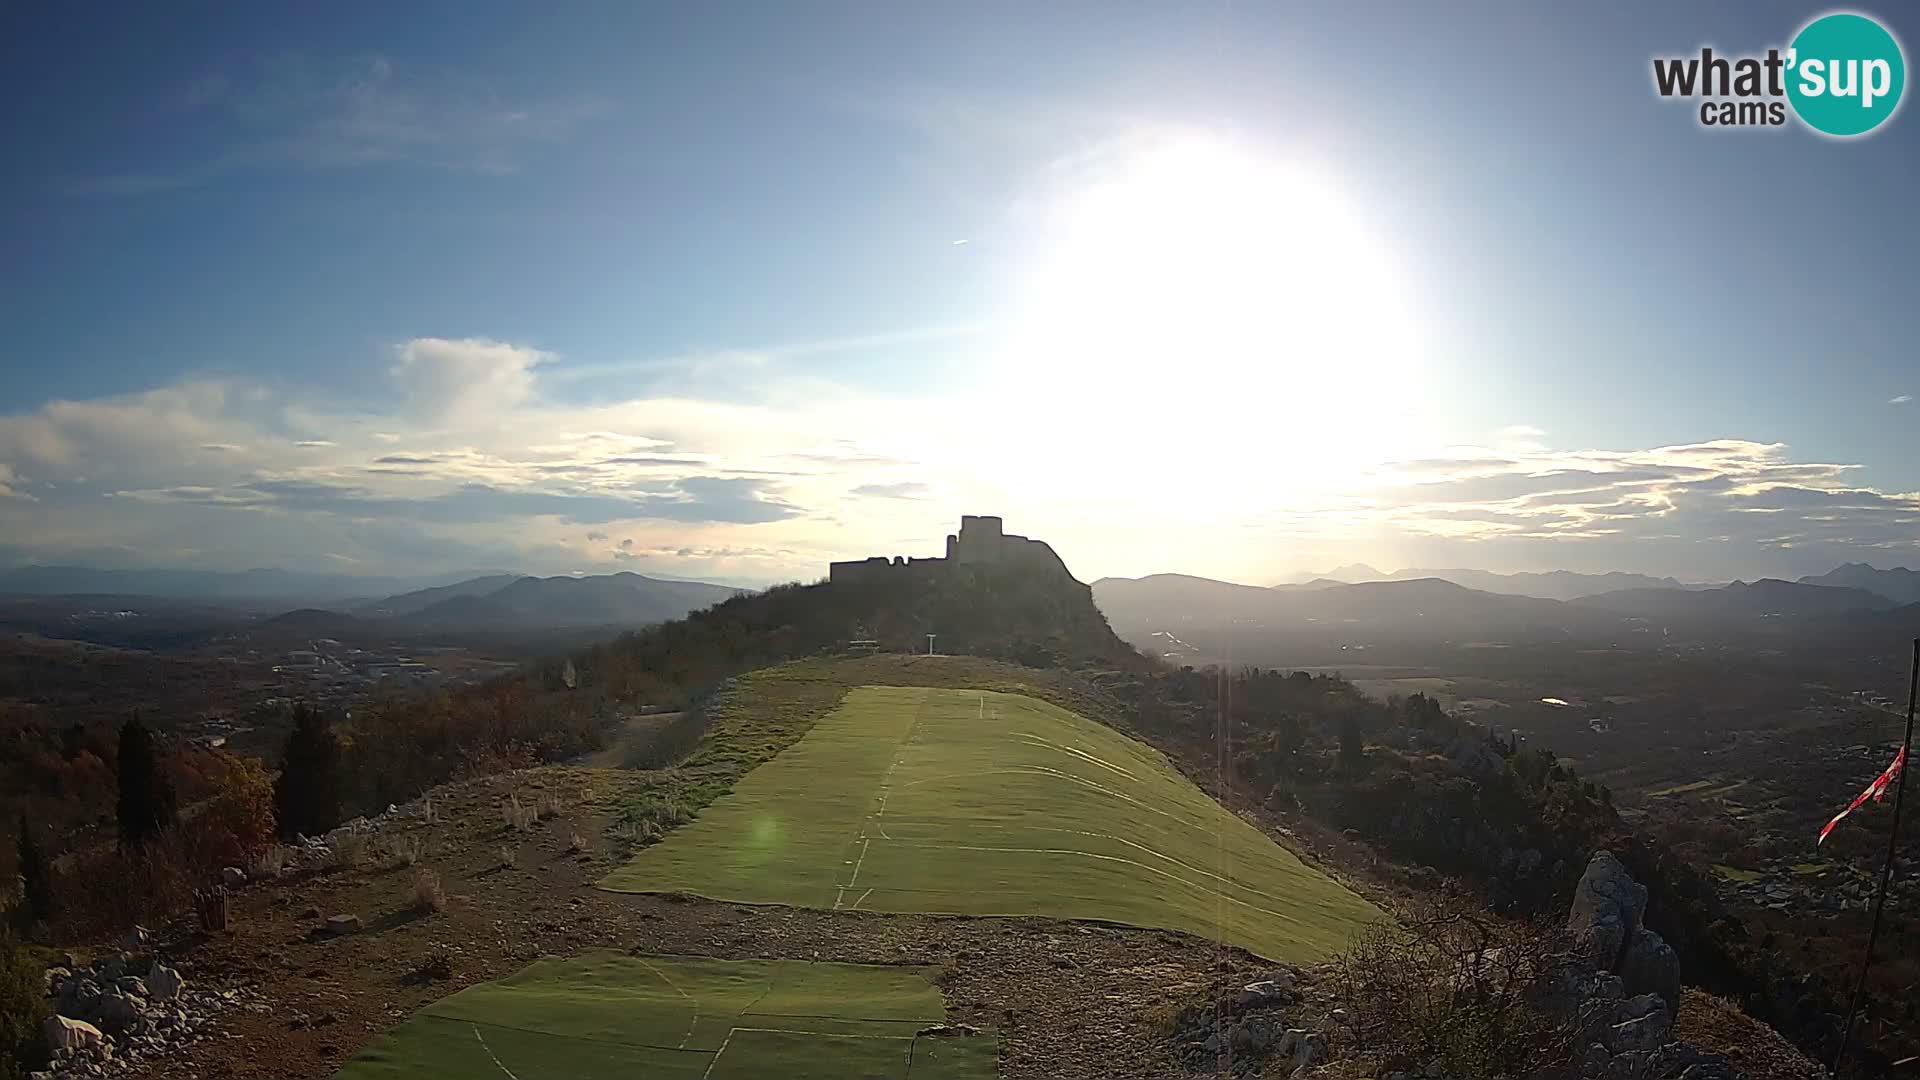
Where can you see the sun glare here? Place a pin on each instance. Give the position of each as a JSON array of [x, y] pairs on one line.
[[1201, 290]]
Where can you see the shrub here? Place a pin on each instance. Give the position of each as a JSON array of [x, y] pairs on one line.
[[147, 804], [429, 895], [238, 818], [577, 844], [347, 851], [407, 852], [436, 966], [1460, 994], [508, 855], [270, 863], [23, 1004]]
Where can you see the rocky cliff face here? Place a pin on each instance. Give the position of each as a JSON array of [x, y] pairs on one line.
[[1625, 990]]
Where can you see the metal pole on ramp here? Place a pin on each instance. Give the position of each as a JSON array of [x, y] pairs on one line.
[[1886, 869]]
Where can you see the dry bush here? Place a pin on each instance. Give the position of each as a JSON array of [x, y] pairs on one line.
[[98, 893], [429, 895], [508, 855], [407, 851], [270, 863], [436, 966], [518, 816], [428, 814], [1460, 994], [577, 844], [547, 806], [347, 851]]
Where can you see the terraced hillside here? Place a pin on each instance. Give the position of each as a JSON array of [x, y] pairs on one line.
[[608, 1015], [912, 799]]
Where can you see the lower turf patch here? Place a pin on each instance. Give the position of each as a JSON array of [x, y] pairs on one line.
[[911, 799], [667, 1018]]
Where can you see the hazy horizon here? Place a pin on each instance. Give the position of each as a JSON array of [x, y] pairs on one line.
[[1232, 291]]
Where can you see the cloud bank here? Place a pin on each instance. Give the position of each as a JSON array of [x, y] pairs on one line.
[[469, 462]]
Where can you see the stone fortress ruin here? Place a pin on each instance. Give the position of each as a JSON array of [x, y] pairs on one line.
[[981, 541]]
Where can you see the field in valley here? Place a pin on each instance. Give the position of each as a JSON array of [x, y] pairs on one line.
[[910, 799]]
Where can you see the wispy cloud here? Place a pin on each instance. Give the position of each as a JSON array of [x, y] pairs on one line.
[[1901, 399], [703, 365], [302, 113]]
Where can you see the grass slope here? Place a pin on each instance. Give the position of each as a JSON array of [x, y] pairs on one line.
[[683, 1018], [913, 799]]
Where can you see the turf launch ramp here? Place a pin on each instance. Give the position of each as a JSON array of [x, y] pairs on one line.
[[610, 1016], [910, 799]]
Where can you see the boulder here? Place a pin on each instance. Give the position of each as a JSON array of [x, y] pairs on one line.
[[73, 1036], [164, 983], [1644, 1034], [111, 968], [1309, 1049], [232, 877], [1608, 906], [136, 938], [1649, 965], [78, 997], [115, 1012], [1260, 994], [132, 985], [342, 924]]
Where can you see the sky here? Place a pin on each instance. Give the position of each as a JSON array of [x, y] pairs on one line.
[[729, 291]]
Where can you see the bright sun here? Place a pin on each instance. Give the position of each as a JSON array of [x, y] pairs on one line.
[[1240, 302]]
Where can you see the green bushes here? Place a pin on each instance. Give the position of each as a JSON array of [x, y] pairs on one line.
[[23, 1004]]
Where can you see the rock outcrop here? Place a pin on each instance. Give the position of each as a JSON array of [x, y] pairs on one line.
[[1608, 918], [1627, 990]]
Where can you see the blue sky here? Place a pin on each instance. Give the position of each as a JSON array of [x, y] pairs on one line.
[[678, 290]]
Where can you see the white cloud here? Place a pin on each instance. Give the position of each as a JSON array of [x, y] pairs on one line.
[[466, 381], [471, 464], [1901, 399], [8, 480]]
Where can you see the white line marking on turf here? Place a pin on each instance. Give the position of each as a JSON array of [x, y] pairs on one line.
[[862, 900], [717, 1053], [731, 1032], [840, 891], [490, 1053], [691, 1024], [855, 879]]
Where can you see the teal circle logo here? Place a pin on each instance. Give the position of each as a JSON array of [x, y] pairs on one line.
[[1845, 73]]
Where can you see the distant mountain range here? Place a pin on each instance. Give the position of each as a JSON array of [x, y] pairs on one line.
[[1436, 610], [1900, 585], [1550, 585], [1422, 607], [1766, 598], [248, 587], [509, 600]]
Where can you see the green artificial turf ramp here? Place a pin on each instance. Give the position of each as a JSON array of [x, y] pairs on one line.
[[909, 799], [613, 1016]]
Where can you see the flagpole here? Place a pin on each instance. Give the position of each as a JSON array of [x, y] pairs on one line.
[[1886, 870]]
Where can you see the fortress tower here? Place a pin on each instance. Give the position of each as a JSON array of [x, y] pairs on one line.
[[982, 540]]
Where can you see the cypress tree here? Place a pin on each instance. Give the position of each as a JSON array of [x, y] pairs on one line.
[[147, 801], [306, 795], [34, 874]]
